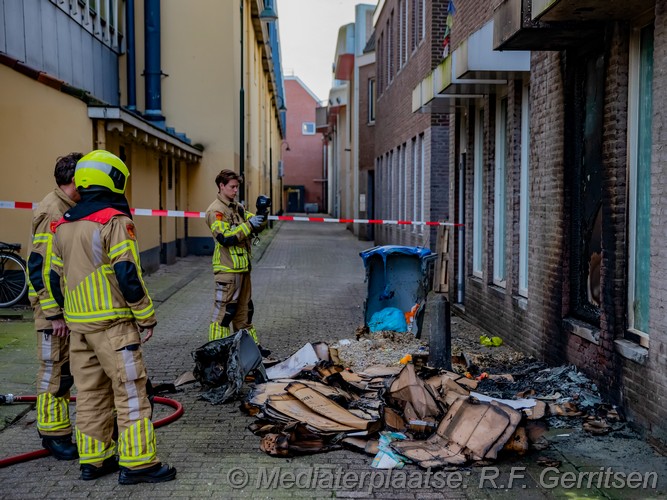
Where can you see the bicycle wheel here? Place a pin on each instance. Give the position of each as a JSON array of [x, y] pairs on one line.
[[13, 279]]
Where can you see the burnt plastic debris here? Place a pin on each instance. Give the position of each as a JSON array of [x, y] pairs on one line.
[[222, 365]]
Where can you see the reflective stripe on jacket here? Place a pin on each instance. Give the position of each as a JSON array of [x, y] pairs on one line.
[[49, 210], [98, 260], [228, 222]]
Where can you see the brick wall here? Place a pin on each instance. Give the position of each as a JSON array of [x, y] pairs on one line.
[[397, 125], [470, 16], [303, 162], [366, 148], [543, 324]]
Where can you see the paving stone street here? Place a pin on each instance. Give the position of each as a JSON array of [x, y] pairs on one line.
[[308, 286]]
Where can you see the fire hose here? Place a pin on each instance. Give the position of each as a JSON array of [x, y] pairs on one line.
[[17, 459]]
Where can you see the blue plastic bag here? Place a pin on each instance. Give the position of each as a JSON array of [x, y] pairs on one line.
[[389, 318]]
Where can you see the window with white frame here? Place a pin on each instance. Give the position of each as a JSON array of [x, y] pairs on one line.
[[308, 128], [499, 192], [640, 143], [388, 54], [380, 184], [406, 24], [401, 35], [391, 182], [422, 31], [404, 182], [415, 183], [399, 176], [478, 193], [524, 195], [421, 183], [415, 23]]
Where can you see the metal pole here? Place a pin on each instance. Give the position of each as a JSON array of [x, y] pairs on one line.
[[461, 231], [242, 120], [131, 56], [271, 168]]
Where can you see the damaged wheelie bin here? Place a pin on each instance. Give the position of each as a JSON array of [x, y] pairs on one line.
[[398, 281]]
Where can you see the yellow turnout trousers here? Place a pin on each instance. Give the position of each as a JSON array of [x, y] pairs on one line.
[[109, 373], [232, 306], [52, 391]]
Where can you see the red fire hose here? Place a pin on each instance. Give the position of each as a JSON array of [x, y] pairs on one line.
[[17, 459]]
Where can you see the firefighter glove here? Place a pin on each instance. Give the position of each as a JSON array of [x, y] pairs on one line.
[[256, 221]]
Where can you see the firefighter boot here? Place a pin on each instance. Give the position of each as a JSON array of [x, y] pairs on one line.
[[61, 447], [90, 472], [157, 473]]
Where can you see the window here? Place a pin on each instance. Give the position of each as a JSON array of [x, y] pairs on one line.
[[422, 31], [308, 128], [405, 35], [390, 41], [401, 34], [421, 167], [640, 143], [415, 26], [524, 195], [371, 100], [415, 183], [478, 192], [584, 142], [404, 183], [499, 236], [398, 183]]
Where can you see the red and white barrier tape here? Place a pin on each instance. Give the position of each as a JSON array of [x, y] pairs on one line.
[[201, 215]]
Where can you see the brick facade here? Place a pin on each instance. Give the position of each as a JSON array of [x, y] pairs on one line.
[[398, 128], [303, 163], [366, 152], [546, 323]]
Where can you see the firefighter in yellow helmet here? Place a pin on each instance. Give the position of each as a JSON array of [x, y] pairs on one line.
[[106, 306], [54, 379]]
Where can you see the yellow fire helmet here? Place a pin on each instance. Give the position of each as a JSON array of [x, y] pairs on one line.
[[101, 168]]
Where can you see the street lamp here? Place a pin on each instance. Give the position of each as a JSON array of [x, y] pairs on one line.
[[268, 14]]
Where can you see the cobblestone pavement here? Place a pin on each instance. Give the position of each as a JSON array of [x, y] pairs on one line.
[[308, 285]]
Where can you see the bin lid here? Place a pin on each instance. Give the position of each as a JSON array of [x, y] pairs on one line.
[[385, 250]]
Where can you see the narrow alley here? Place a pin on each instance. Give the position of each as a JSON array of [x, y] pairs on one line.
[[308, 286]]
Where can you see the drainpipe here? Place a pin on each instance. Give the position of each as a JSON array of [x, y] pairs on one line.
[[153, 72], [242, 121], [130, 55], [461, 230]]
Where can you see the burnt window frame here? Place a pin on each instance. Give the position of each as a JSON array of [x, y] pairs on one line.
[[575, 149]]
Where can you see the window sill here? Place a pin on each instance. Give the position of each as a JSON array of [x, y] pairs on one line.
[[583, 330], [461, 308], [521, 302], [498, 290], [476, 280], [630, 350]]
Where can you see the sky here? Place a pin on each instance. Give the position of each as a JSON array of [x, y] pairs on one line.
[[308, 33]]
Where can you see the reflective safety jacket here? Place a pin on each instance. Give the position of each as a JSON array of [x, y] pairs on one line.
[[49, 211], [97, 258], [228, 221]]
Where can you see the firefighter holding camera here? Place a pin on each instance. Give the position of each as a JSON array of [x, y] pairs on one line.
[[233, 229]]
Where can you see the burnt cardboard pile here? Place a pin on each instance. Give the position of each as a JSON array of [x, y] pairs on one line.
[[431, 417]]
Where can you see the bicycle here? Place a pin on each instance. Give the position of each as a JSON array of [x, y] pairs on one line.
[[13, 277]]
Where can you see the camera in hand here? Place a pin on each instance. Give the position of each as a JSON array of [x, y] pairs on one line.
[[263, 205]]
